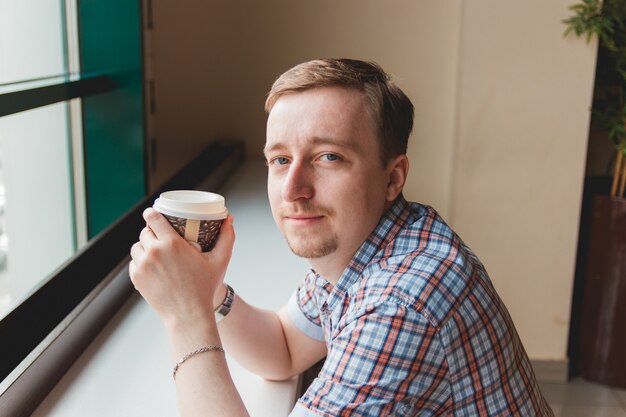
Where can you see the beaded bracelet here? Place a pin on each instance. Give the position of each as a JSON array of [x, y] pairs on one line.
[[195, 352]]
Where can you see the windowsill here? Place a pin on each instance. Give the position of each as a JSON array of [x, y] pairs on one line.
[[126, 370]]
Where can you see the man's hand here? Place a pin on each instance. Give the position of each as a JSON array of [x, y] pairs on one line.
[[180, 282]]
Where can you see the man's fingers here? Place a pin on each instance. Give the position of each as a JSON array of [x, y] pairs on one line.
[[158, 224], [195, 245], [136, 251], [226, 239], [131, 269], [147, 237]]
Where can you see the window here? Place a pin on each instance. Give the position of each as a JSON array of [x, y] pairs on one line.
[[32, 41], [70, 168], [37, 222], [71, 156]]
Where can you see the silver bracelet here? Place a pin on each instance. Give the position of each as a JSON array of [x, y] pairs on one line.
[[195, 352]]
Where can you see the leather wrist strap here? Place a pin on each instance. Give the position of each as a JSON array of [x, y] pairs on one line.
[[223, 309]]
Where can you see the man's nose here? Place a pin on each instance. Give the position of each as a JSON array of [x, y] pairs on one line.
[[298, 183]]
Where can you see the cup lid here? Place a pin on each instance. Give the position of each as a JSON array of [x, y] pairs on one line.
[[191, 204]]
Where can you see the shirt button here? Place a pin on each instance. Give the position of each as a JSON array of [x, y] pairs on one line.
[[325, 313]]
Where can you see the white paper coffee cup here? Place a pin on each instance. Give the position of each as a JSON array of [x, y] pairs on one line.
[[196, 215]]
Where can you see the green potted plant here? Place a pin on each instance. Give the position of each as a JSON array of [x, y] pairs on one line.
[[603, 321], [607, 21]]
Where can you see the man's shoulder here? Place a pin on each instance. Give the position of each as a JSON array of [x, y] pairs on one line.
[[426, 267], [420, 227]]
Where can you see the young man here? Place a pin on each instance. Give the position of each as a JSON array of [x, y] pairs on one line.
[[404, 312]]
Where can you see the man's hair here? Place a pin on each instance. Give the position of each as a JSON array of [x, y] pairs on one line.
[[391, 108]]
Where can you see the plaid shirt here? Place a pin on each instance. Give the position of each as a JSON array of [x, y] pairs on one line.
[[414, 327]]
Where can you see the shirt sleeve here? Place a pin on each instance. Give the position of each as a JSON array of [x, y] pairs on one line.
[[303, 311], [386, 360]]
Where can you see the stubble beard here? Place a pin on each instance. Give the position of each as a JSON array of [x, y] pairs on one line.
[[309, 248]]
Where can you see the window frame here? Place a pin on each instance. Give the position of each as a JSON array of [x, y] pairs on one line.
[[28, 99]]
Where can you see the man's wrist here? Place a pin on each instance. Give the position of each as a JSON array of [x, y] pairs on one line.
[[188, 332], [219, 295]]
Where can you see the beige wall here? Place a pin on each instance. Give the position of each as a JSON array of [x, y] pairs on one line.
[[501, 116], [524, 97]]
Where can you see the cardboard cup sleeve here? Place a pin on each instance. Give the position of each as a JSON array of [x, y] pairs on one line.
[[204, 232]]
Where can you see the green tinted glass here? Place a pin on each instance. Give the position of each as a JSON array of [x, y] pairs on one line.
[[110, 44]]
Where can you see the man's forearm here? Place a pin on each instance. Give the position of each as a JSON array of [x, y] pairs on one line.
[[255, 338], [203, 383]]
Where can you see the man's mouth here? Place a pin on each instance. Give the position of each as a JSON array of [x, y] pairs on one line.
[[302, 219], [302, 216]]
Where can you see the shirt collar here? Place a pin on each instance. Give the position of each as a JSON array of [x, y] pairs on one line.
[[384, 233]]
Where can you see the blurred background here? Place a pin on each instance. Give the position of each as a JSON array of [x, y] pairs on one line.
[[501, 145]]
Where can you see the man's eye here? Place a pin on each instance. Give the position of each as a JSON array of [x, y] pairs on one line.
[[279, 161], [330, 157]]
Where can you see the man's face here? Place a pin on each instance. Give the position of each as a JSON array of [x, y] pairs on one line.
[[326, 185]]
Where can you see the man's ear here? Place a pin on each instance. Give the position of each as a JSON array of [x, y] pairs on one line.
[[397, 169]]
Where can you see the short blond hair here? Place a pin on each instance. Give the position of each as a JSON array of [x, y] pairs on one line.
[[391, 108]]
